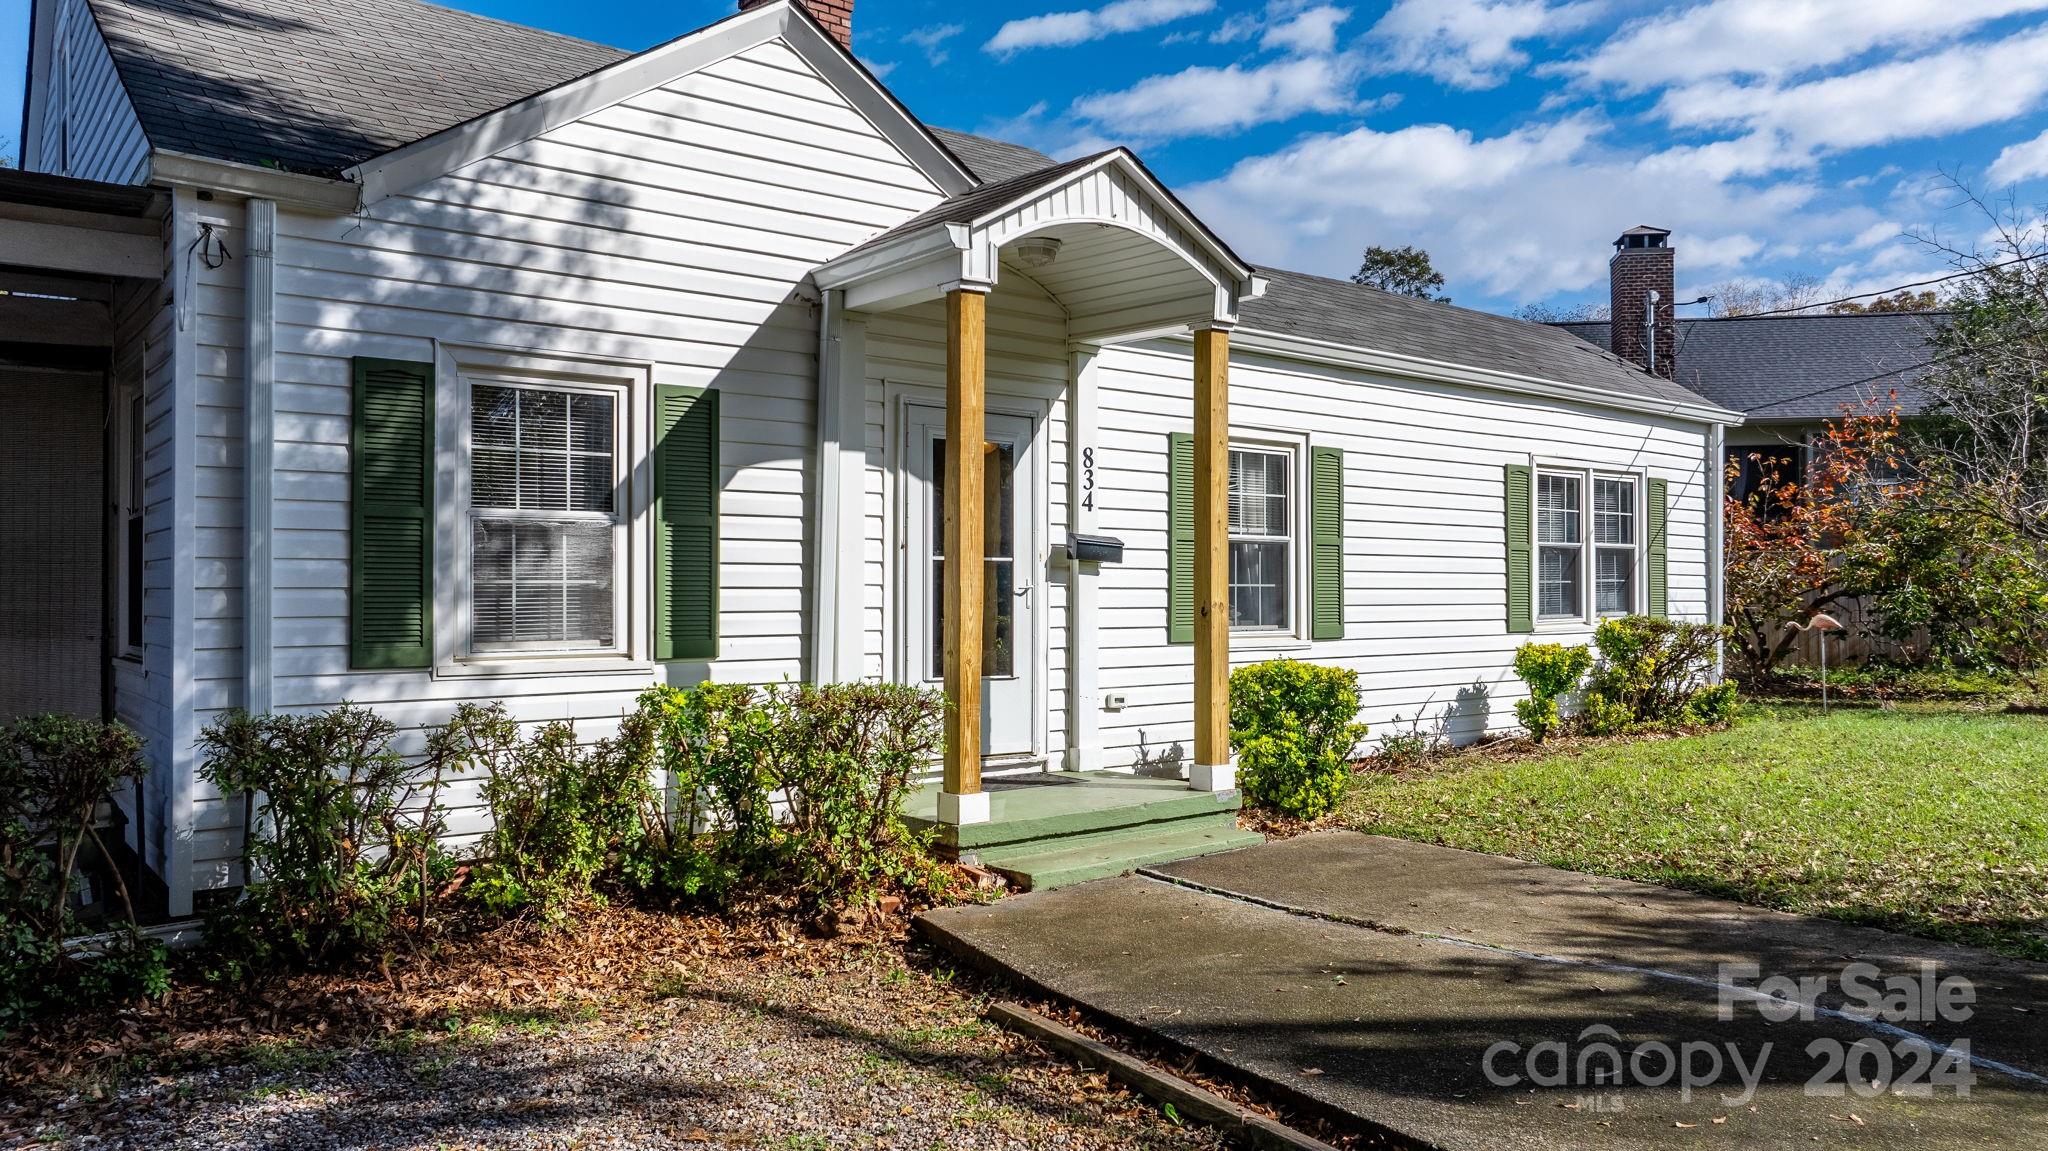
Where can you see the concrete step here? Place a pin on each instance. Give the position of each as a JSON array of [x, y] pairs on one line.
[[1098, 802], [1064, 862]]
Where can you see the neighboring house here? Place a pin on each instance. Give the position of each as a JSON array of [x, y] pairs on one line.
[[1788, 375], [441, 359]]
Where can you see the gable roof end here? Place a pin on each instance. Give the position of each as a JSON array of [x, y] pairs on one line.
[[784, 20]]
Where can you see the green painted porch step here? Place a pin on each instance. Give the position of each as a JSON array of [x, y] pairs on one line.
[[1071, 806], [1066, 861]]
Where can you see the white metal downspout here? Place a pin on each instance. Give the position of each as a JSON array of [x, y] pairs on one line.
[[183, 412], [259, 346], [1717, 560], [824, 511]]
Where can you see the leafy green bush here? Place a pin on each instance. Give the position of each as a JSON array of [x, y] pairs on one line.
[[1653, 672], [55, 771], [1552, 672], [717, 822], [1294, 727], [1711, 705], [336, 863], [562, 814], [839, 759]]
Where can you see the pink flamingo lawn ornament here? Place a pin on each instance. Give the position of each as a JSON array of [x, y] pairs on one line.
[[1823, 623]]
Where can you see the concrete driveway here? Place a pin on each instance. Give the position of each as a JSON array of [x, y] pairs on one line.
[[1468, 1001]]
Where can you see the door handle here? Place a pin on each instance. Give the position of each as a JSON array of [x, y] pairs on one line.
[[1021, 592]]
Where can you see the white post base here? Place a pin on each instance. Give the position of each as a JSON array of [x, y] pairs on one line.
[[961, 810], [1212, 777]]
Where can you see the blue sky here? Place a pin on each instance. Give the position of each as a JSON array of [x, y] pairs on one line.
[[1511, 138]]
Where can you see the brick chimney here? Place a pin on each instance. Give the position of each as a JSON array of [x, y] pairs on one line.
[[835, 15], [1643, 263]]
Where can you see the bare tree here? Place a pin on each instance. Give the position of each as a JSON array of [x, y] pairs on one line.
[[1988, 372], [1747, 297], [1554, 314]]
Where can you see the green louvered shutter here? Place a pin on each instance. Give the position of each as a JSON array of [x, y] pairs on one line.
[[1659, 547], [1326, 542], [685, 524], [391, 579], [1520, 484], [1180, 538]]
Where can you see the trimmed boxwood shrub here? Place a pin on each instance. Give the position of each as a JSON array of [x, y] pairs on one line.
[[1552, 672], [1294, 727]]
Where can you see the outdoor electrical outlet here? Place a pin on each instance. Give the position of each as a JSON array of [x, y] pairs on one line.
[[1113, 701]]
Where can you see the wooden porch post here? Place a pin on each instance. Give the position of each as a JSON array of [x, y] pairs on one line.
[[961, 800], [1212, 769]]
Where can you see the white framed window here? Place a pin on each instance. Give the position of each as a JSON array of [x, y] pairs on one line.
[[1263, 547], [541, 516], [546, 523], [1615, 543], [1589, 543], [1560, 545]]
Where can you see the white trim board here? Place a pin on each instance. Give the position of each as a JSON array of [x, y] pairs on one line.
[[785, 20]]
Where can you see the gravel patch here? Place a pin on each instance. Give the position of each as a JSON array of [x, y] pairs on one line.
[[854, 1047]]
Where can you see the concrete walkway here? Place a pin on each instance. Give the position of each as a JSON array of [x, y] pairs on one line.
[[1374, 977]]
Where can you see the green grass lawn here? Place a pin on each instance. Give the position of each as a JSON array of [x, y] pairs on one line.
[[1926, 819]]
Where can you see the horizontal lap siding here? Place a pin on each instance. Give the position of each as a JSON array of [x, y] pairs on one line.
[[1424, 541], [90, 130], [1028, 368], [142, 358], [676, 229]]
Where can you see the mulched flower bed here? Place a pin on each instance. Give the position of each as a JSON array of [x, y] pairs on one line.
[[633, 1028]]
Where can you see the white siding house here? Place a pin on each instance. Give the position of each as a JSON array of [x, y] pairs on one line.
[[742, 231]]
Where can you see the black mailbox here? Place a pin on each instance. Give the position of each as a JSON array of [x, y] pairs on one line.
[[1095, 549]]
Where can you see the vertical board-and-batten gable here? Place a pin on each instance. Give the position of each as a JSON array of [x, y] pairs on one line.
[[1132, 260], [664, 66]]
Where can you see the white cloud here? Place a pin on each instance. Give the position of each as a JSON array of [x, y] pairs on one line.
[[1883, 232], [1471, 43], [1309, 33], [2022, 161], [1239, 27], [1062, 29], [1773, 38], [932, 39], [1963, 87], [880, 68], [1525, 215], [1205, 101]]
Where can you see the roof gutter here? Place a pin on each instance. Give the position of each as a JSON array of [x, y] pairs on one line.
[[289, 189], [1440, 371]]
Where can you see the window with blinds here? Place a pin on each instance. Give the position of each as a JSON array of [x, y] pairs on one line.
[[1614, 546], [545, 521], [1561, 545], [1261, 540]]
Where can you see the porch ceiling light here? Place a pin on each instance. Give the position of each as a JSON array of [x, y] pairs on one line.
[[1037, 252]]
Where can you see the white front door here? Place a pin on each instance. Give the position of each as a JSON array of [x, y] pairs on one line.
[[1011, 595]]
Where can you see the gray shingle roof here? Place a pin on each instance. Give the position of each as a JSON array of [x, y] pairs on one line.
[[1800, 367], [992, 159], [321, 85], [970, 206], [1342, 312]]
